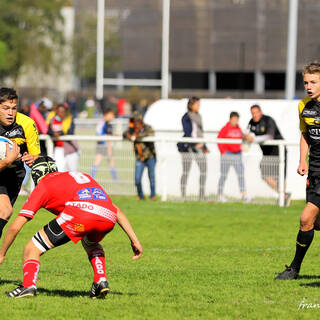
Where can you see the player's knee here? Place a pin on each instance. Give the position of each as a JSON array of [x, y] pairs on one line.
[[92, 247], [30, 250], [38, 242], [6, 212], [306, 223]]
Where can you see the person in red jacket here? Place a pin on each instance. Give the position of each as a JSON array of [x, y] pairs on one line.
[[231, 155]]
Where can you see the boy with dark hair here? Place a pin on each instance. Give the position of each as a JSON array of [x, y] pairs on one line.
[[20, 129], [231, 156]]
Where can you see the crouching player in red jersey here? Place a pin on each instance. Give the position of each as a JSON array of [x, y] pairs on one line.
[[84, 212]]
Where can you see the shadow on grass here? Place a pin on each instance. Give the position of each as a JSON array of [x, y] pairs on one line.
[[15, 282], [77, 293], [311, 284], [307, 276], [64, 293]]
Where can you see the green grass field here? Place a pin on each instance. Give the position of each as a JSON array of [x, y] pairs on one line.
[[201, 261]]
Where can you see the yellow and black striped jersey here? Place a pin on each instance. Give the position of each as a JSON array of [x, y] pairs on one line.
[[309, 116], [24, 132]]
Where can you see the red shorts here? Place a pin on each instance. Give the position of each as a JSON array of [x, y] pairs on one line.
[[91, 220]]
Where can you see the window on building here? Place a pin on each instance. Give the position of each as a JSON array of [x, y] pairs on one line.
[[190, 80], [235, 80], [274, 80]]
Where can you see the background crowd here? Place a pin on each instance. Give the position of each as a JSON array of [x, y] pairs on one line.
[[57, 119]]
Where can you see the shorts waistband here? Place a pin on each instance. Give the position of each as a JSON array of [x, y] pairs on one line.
[[94, 209]]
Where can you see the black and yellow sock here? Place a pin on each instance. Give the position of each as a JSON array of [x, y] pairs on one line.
[[2, 225], [304, 240]]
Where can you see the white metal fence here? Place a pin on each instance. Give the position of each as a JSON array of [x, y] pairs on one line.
[[190, 176]]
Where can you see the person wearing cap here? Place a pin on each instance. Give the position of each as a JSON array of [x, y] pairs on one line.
[[144, 151], [83, 212]]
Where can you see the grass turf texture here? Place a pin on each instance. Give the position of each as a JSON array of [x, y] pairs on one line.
[[201, 261]]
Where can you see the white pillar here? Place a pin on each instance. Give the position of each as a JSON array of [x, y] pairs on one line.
[[212, 82], [281, 174], [292, 49], [100, 49], [259, 82], [165, 49], [120, 75]]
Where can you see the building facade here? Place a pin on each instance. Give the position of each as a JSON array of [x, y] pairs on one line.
[[231, 48]]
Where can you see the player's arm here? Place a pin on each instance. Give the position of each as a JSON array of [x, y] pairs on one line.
[[33, 144], [126, 227], [11, 155], [304, 146], [147, 132], [11, 234], [304, 150]]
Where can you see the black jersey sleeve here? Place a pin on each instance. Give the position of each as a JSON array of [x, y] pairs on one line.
[[271, 127]]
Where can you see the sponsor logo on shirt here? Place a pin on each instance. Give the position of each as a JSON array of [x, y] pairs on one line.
[[98, 194], [84, 194], [310, 113], [78, 227], [94, 209]]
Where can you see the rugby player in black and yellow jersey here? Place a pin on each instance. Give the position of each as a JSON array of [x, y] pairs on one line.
[[309, 115], [22, 131]]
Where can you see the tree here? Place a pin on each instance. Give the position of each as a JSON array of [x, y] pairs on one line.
[[85, 46], [30, 35]]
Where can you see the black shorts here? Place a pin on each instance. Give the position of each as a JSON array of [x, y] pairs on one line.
[[55, 233], [313, 188], [269, 166], [11, 181]]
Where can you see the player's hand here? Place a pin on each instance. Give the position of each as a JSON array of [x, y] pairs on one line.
[[303, 168], [28, 159], [14, 153], [1, 259], [137, 250]]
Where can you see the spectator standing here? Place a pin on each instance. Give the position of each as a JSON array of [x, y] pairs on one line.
[[104, 148], [192, 127], [145, 153], [66, 153], [121, 107], [72, 103], [231, 156], [265, 128]]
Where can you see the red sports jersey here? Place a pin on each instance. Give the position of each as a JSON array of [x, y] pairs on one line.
[[83, 206]]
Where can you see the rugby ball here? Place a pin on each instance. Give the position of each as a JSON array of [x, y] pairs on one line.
[[3, 149]]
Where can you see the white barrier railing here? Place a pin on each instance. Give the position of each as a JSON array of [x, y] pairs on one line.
[[162, 154]]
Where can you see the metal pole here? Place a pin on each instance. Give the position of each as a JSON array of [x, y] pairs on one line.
[[165, 49], [163, 172], [100, 49], [292, 49], [281, 174]]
